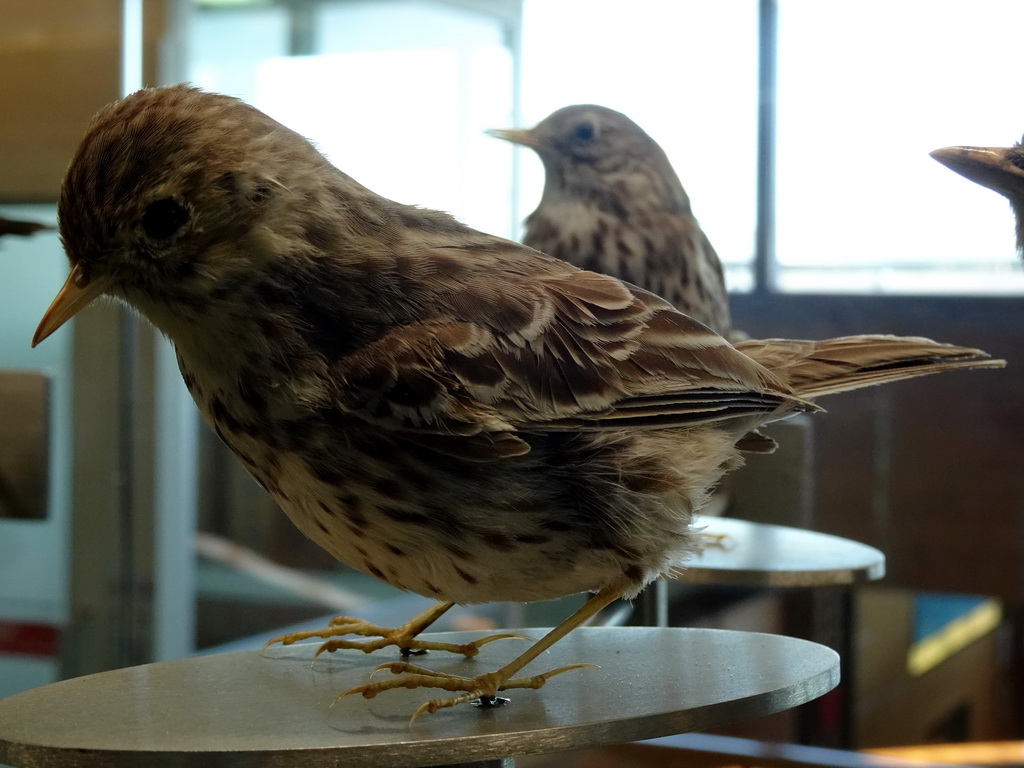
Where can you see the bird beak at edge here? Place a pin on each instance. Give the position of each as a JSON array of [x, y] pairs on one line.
[[516, 136], [77, 292], [988, 166]]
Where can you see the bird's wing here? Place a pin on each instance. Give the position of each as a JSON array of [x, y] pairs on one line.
[[562, 349], [815, 368]]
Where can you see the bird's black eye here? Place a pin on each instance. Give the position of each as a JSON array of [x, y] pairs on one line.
[[162, 219], [584, 131]]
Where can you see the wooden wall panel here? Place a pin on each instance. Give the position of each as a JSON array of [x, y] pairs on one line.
[[60, 62], [930, 471]]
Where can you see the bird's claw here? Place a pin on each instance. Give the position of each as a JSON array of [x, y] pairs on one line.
[[409, 646], [482, 688], [471, 649], [385, 636], [333, 628]]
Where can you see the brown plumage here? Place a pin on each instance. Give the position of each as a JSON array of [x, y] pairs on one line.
[[612, 203], [999, 168], [455, 414]]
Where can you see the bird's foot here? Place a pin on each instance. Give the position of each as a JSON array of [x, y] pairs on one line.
[[482, 688], [403, 637]]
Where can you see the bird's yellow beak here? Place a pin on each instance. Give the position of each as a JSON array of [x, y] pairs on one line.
[[517, 136], [988, 166], [77, 292]]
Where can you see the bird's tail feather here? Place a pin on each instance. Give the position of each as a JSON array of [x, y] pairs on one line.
[[816, 368]]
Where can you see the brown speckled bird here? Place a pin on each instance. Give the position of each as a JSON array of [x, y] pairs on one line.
[[999, 168], [453, 413], [612, 203]]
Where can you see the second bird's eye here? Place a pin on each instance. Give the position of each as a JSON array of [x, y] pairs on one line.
[[584, 131], [163, 218]]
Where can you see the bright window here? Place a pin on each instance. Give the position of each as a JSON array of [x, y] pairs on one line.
[[398, 93], [684, 70], [865, 91]]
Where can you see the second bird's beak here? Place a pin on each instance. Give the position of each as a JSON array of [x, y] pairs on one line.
[[78, 291], [516, 136], [988, 166]]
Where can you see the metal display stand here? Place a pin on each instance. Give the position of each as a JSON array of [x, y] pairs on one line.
[[273, 708]]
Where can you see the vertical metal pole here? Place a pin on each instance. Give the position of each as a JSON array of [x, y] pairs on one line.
[[127, 613], [301, 28], [175, 497], [514, 41], [846, 649], [765, 267], [176, 446], [131, 46], [651, 605], [515, 613]]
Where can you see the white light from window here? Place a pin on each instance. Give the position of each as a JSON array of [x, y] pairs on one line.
[[866, 90], [684, 70]]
